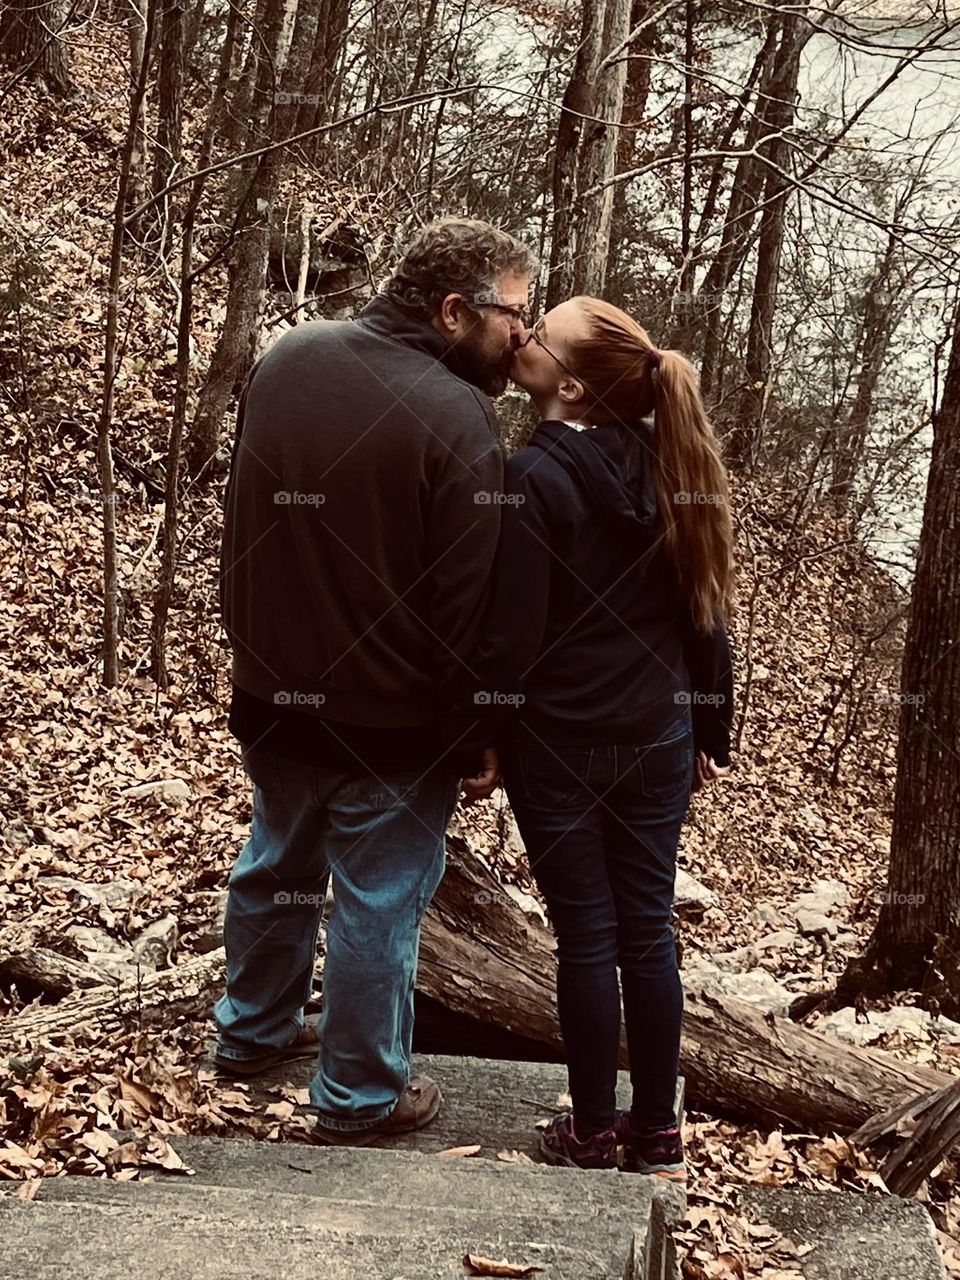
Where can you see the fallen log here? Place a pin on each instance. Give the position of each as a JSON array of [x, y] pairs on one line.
[[157, 998], [482, 956], [38, 971]]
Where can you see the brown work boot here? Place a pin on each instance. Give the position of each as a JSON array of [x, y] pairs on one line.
[[416, 1107]]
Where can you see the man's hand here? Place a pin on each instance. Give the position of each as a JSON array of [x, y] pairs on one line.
[[485, 782], [705, 770]]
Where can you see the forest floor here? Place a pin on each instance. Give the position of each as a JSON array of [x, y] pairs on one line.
[[809, 798]]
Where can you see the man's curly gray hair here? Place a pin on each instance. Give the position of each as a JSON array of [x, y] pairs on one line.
[[456, 255]]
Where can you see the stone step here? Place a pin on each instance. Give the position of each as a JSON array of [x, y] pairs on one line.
[[334, 1237], [854, 1237], [487, 1101], [414, 1180]]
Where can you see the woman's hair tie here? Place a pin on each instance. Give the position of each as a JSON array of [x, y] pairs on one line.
[[656, 356]]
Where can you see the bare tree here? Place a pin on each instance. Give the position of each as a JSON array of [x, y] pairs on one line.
[[31, 41], [914, 944]]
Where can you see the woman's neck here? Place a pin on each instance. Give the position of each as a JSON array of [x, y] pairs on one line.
[[552, 408]]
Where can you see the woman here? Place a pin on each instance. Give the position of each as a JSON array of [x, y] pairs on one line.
[[606, 640]]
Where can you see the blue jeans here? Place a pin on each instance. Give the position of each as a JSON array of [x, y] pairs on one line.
[[601, 827], [382, 841]]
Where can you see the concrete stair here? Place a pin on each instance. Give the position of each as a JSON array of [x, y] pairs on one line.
[[399, 1211], [853, 1237], [395, 1212]]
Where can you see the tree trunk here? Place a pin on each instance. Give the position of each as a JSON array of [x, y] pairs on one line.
[[235, 348], [30, 42], [635, 95], [166, 156], [570, 129], [598, 157], [741, 214], [914, 943], [743, 440]]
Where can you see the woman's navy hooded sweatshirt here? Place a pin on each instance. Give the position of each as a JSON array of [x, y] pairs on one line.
[[587, 624]]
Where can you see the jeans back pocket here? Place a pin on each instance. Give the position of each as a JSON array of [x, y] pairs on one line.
[[666, 769], [554, 777]]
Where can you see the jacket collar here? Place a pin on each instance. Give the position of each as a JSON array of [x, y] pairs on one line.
[[383, 316]]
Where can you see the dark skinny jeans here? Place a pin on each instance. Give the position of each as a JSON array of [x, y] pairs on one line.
[[601, 827]]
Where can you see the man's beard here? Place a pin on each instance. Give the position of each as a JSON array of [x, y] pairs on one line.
[[490, 372]]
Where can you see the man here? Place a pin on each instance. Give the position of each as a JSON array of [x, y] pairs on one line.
[[360, 527]]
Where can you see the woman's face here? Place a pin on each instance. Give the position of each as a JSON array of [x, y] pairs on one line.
[[538, 365]]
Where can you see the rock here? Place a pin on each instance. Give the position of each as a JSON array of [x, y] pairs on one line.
[[757, 987], [737, 961], [823, 897], [814, 923], [101, 895], [779, 940], [168, 788], [908, 1020], [765, 913], [688, 890], [209, 935], [156, 945], [526, 902], [100, 949]]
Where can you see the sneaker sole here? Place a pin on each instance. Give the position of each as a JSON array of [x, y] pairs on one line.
[[555, 1158]]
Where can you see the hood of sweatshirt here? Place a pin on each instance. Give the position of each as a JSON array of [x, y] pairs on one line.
[[612, 465]]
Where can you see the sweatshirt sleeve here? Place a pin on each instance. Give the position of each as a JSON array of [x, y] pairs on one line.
[[710, 667], [515, 623]]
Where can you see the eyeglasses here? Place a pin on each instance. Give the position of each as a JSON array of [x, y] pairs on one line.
[[521, 315], [535, 333]]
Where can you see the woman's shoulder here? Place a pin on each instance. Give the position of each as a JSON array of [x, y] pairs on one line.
[[534, 468]]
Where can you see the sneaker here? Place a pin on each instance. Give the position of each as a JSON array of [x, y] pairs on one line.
[[416, 1107], [659, 1153], [306, 1044], [559, 1144]]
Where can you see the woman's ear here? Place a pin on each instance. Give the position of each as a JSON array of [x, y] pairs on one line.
[[570, 390]]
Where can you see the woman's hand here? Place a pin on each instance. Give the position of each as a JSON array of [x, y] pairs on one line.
[[706, 770], [485, 782]]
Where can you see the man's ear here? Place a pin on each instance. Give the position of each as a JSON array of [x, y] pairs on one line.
[[451, 312]]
